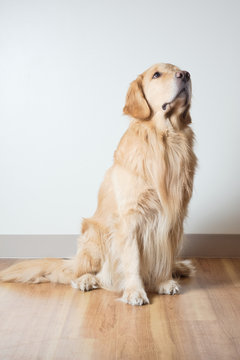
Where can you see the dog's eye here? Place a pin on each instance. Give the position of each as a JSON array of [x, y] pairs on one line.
[[156, 75]]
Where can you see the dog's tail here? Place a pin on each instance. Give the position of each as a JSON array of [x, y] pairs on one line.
[[183, 268], [40, 270]]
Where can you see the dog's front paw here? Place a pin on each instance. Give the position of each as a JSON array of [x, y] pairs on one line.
[[135, 297], [169, 287]]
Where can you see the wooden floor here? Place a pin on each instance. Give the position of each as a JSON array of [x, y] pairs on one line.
[[49, 321]]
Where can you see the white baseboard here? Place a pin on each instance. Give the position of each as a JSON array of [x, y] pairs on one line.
[[31, 246]]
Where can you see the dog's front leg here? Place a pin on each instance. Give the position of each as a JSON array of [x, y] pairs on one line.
[[133, 293]]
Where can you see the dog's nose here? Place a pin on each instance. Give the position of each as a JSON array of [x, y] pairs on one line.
[[184, 75]]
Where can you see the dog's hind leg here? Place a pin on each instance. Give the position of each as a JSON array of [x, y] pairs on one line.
[[88, 260], [86, 282]]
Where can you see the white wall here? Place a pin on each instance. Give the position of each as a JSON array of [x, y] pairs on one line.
[[64, 70]]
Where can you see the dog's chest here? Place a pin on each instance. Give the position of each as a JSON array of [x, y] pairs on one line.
[[178, 164], [175, 150]]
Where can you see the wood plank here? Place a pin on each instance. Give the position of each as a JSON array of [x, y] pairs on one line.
[[48, 321]]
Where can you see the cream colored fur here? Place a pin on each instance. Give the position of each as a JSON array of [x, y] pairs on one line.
[[132, 242]]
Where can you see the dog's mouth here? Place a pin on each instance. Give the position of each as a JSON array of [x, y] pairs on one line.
[[183, 93]]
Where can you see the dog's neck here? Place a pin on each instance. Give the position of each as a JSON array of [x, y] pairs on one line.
[[170, 121], [175, 116]]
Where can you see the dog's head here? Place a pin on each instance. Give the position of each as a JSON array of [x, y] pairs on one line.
[[162, 88]]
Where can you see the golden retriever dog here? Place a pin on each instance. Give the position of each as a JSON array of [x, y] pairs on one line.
[[131, 244]]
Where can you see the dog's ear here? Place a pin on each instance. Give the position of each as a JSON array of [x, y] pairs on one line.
[[136, 104]]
